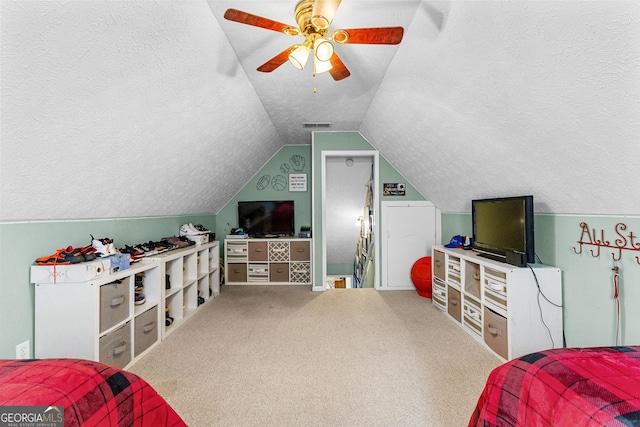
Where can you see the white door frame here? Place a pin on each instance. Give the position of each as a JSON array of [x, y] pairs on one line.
[[376, 211]]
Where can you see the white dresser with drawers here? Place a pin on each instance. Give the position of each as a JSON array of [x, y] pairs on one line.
[[512, 310]]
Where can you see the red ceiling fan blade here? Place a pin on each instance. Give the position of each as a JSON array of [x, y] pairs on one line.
[[276, 61], [339, 70], [258, 21], [380, 35]]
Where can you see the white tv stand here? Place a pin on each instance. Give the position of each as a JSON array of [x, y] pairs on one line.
[[512, 310]]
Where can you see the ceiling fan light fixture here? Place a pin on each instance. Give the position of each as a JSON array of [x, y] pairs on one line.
[[340, 36], [320, 22], [321, 66], [298, 57], [323, 49], [323, 13]]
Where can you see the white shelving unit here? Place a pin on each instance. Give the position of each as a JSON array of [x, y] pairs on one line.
[[281, 261], [512, 310], [97, 319], [189, 278]]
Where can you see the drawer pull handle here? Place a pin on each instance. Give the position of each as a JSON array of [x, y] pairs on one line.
[[494, 331], [496, 286], [148, 327], [117, 301], [299, 250], [476, 276], [453, 301], [120, 349], [258, 249], [236, 270], [438, 263]]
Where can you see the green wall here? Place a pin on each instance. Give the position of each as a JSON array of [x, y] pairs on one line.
[[22, 242], [227, 217], [290, 159], [590, 317]]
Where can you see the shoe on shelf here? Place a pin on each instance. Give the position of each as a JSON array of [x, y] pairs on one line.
[[68, 255], [136, 254], [178, 242], [88, 253], [168, 319], [140, 299], [104, 247], [112, 249], [186, 240], [139, 291], [139, 279], [201, 229], [188, 230]]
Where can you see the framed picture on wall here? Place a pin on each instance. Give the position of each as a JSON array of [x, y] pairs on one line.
[[297, 182]]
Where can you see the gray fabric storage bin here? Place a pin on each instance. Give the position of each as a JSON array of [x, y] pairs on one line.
[[145, 330], [279, 272], [115, 347], [114, 303]]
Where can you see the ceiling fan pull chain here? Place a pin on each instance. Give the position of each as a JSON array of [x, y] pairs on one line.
[[314, 81]]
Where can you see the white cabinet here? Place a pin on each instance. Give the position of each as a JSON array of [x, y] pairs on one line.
[[189, 278], [267, 261], [97, 319], [512, 310]]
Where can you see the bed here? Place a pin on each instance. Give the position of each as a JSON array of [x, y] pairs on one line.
[[92, 393], [574, 387]]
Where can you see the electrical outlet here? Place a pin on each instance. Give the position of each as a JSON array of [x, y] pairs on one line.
[[22, 350]]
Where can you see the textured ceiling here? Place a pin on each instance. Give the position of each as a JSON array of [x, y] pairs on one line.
[[139, 108], [287, 93]]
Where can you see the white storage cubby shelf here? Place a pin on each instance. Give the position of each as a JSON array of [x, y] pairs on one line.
[[97, 319], [512, 310], [279, 261], [189, 278]]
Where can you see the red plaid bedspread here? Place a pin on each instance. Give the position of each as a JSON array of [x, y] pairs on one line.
[[564, 387], [93, 394]]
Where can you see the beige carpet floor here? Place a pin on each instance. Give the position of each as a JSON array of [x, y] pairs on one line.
[[287, 356]]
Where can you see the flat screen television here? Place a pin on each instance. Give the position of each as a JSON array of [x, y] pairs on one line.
[[267, 218], [503, 225]]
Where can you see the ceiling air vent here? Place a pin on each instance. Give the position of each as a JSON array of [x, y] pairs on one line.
[[316, 125]]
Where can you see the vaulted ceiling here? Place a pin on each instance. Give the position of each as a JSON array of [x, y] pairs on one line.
[[137, 108]]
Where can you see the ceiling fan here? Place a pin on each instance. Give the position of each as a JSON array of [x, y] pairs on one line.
[[314, 18]]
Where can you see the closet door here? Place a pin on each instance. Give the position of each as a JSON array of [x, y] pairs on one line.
[[409, 230]]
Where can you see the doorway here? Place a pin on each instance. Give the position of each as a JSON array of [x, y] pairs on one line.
[[349, 217]]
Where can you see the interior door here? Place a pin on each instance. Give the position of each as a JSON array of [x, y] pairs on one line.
[[409, 230]]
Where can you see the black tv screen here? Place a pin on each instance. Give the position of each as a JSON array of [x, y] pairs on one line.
[[502, 225], [267, 218]]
